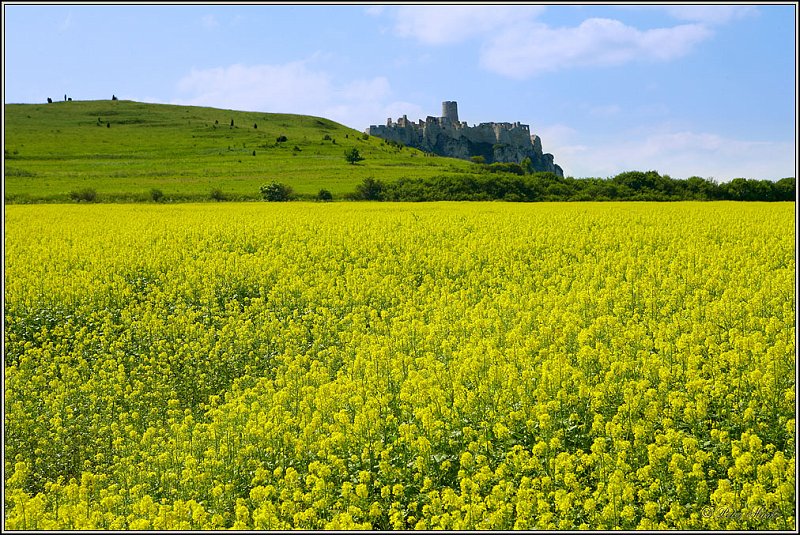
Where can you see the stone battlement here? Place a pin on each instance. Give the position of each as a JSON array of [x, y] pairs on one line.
[[447, 136]]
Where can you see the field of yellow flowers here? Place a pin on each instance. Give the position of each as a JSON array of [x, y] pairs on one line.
[[400, 366]]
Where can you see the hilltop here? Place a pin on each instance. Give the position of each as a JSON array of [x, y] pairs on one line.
[[124, 149]]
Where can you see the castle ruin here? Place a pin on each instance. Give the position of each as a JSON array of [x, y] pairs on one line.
[[447, 136]]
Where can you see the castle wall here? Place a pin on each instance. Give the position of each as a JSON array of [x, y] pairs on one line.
[[447, 136]]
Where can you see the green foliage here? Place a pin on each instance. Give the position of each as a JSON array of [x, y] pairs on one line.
[[281, 139], [324, 195], [156, 194], [480, 160], [370, 190], [277, 192], [505, 167], [508, 181], [352, 156], [85, 194], [217, 195]]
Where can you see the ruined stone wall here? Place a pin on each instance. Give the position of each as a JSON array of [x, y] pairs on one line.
[[447, 136]]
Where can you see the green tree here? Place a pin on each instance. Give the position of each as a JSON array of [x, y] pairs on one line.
[[352, 156]]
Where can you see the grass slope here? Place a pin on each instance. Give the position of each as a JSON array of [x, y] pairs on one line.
[[187, 151]]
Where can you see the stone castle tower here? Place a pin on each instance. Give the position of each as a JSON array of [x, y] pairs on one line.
[[447, 136], [450, 111]]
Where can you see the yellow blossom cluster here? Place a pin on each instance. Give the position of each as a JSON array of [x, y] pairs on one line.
[[400, 366]]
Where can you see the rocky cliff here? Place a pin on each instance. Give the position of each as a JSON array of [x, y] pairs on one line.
[[447, 136]]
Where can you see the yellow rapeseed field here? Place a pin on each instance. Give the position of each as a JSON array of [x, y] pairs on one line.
[[400, 366]]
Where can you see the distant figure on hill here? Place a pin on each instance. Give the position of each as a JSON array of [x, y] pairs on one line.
[[49, 100], [65, 97], [114, 97]]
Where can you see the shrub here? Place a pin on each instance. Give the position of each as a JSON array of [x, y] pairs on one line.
[[324, 195], [217, 194], [86, 194], [156, 195], [277, 192], [281, 139], [370, 190]]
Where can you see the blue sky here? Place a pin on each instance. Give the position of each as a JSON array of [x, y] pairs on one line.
[[706, 90]]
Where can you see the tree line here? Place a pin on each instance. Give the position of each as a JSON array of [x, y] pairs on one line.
[[502, 183]]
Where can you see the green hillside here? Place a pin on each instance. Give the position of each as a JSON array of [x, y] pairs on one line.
[[124, 149]]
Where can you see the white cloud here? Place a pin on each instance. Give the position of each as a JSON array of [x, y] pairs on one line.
[[292, 87], [66, 24], [209, 21], [605, 111], [289, 87], [528, 50], [374, 11], [515, 44], [445, 24], [680, 154], [709, 13]]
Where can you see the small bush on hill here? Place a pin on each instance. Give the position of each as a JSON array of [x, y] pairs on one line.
[[277, 192], [86, 194]]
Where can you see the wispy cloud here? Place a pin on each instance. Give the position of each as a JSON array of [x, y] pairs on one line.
[[521, 52], [605, 111], [448, 24], [294, 87], [708, 13], [678, 153], [209, 21], [66, 24]]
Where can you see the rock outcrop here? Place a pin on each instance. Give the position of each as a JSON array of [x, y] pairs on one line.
[[447, 136]]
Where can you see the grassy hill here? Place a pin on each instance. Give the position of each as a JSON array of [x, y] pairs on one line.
[[124, 149]]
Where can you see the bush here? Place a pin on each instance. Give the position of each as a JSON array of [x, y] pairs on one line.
[[281, 139], [217, 194], [370, 190], [277, 192], [324, 195], [86, 194], [156, 195]]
